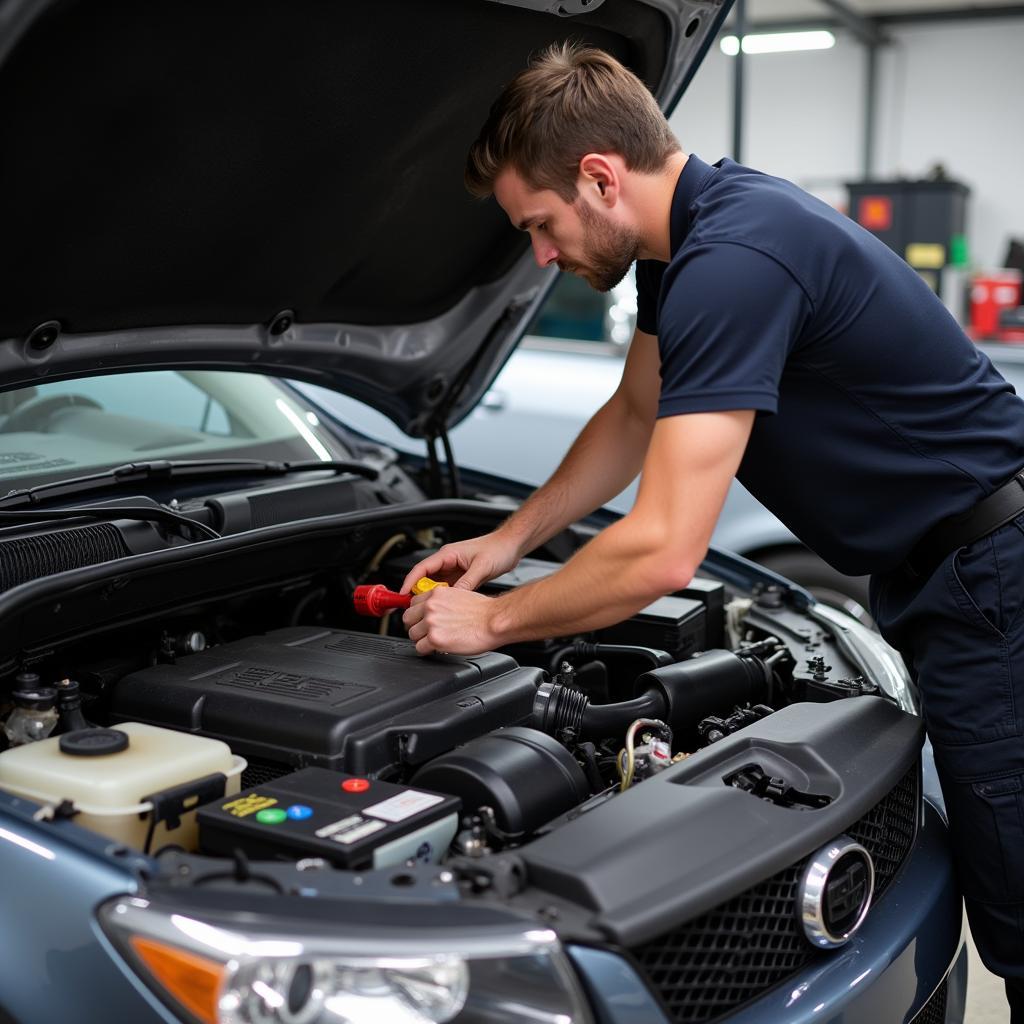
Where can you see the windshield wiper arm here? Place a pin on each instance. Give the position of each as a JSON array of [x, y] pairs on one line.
[[165, 469]]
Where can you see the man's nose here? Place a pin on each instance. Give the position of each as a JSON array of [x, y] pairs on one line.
[[544, 252]]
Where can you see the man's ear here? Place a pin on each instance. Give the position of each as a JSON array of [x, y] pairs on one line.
[[600, 174]]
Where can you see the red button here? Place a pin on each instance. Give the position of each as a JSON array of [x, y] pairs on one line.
[[356, 785]]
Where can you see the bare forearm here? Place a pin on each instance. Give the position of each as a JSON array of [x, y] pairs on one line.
[[605, 457], [652, 551], [620, 571]]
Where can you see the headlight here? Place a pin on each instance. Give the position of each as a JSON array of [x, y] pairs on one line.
[[219, 968], [305, 990], [881, 663]]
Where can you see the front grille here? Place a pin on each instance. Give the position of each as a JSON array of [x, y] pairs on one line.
[[934, 1011], [31, 558], [887, 831], [715, 963]]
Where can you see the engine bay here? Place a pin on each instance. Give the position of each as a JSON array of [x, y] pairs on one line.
[[359, 755]]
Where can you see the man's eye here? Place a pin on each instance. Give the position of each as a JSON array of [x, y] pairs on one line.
[[542, 226]]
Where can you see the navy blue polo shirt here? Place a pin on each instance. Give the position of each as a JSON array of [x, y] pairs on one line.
[[877, 416]]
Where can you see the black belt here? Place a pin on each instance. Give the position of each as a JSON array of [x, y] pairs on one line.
[[957, 531]]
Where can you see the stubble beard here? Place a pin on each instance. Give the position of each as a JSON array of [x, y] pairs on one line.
[[608, 250]]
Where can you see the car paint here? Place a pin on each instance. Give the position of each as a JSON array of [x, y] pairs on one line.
[[57, 965]]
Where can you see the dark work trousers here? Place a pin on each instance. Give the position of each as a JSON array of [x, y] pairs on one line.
[[961, 632]]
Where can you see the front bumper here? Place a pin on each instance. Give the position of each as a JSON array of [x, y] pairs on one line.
[[909, 943]]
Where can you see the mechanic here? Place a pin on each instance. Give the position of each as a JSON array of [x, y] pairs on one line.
[[779, 342]]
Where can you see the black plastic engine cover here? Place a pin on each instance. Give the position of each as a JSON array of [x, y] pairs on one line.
[[336, 699], [525, 776], [685, 840]]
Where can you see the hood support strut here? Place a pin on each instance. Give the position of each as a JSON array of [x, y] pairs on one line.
[[436, 427], [434, 464]]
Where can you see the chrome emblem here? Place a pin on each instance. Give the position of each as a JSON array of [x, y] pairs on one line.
[[835, 893]]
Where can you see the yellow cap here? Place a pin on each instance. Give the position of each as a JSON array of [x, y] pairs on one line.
[[424, 583]]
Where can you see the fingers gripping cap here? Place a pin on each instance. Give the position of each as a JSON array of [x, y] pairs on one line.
[[377, 600]]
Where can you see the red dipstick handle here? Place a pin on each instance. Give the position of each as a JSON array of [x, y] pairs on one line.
[[377, 600]]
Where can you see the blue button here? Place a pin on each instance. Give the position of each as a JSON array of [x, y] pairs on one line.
[[299, 812]]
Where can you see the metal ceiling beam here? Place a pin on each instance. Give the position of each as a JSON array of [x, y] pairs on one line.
[[739, 62], [955, 14], [870, 111], [890, 19], [864, 28]]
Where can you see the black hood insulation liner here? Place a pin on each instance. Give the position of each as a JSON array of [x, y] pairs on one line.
[[219, 161]]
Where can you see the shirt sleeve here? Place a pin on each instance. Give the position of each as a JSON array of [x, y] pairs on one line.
[[648, 287], [729, 318]]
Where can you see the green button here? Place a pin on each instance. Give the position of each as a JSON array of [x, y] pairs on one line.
[[271, 816]]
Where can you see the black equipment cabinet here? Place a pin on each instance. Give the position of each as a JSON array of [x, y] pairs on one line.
[[922, 221]]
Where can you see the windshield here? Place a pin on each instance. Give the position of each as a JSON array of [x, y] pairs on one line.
[[52, 431]]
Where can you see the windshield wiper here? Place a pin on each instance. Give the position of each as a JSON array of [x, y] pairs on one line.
[[165, 469]]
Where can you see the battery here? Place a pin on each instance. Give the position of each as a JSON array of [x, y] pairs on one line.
[[351, 821], [673, 624], [711, 594]]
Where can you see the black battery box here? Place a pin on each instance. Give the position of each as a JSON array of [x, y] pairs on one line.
[[711, 594], [351, 821], [673, 624]]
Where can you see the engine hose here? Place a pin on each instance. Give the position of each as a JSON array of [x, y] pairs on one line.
[[681, 694], [711, 683], [582, 650], [613, 719], [558, 708]]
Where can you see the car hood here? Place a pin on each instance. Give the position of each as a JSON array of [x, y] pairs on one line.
[[277, 186]]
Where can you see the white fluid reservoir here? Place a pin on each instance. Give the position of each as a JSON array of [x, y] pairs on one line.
[[111, 789]]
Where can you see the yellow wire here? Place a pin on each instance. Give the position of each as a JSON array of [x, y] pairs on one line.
[[627, 776]]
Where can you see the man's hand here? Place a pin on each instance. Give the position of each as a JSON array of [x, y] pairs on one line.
[[467, 563], [451, 621]]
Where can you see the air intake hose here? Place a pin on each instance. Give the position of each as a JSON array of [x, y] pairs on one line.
[[682, 695]]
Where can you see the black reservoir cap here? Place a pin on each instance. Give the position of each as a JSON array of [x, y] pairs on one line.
[[93, 742]]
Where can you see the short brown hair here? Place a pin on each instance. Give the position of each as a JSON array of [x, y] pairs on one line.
[[570, 100]]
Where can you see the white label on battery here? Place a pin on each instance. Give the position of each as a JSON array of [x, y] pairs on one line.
[[353, 835], [328, 830], [403, 806]]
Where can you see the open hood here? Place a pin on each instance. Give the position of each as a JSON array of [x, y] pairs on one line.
[[277, 185]]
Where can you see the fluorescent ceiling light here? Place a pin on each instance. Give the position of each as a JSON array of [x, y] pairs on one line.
[[778, 42]]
